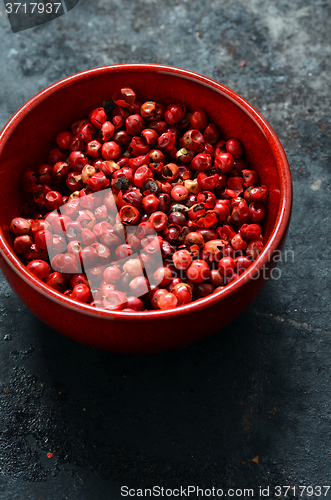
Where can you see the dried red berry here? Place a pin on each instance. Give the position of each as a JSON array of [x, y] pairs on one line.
[[40, 269], [198, 272], [124, 97]]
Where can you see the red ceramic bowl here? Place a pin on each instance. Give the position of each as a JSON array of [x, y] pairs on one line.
[[29, 135]]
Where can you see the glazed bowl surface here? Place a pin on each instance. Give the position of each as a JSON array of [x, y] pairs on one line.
[[29, 135]]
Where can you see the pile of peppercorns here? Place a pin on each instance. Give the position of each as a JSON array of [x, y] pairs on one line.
[[141, 207]]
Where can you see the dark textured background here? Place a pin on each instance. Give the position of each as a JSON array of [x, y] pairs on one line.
[[261, 387]]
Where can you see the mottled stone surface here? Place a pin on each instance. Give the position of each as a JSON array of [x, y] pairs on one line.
[[261, 387]]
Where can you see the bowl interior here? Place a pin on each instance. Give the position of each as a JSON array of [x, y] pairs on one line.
[[31, 135]]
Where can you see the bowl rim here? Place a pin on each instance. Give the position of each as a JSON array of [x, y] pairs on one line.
[[276, 235]]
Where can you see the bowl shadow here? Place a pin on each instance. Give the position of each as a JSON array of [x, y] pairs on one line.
[[197, 414]]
